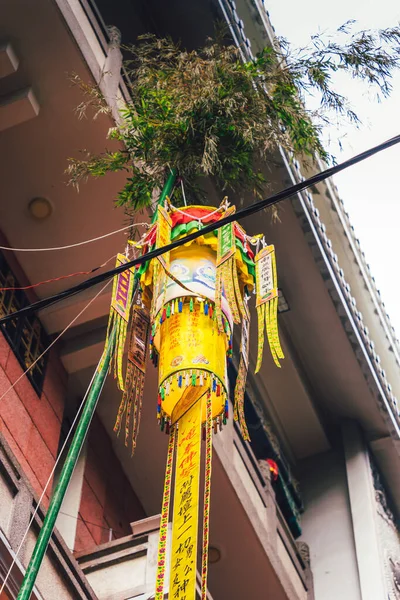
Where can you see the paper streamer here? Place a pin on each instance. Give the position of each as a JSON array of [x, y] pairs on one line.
[[267, 304], [121, 301], [207, 496], [240, 387], [162, 541], [186, 506], [136, 368]]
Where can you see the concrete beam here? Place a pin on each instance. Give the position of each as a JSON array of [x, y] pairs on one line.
[[83, 350], [17, 108], [8, 60]]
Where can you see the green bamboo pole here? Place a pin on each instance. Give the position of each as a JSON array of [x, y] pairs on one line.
[[66, 474], [166, 191], [42, 542]]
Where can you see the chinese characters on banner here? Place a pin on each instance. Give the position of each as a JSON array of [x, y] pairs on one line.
[[163, 234], [226, 243], [267, 304], [164, 225], [265, 280], [122, 292], [139, 338], [186, 507], [226, 239], [123, 286]]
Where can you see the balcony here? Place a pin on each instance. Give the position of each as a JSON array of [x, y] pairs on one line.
[[258, 551], [60, 576], [125, 569], [290, 559]]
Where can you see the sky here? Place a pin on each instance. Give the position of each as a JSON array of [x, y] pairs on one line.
[[370, 190]]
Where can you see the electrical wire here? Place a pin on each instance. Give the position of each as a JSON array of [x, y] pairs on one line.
[[54, 341], [65, 441], [80, 518], [96, 239], [240, 214], [53, 279]]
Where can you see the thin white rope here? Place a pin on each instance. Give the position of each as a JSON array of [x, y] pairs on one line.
[[96, 239], [65, 441], [183, 192]]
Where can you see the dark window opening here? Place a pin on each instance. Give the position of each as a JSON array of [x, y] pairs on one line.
[[26, 334]]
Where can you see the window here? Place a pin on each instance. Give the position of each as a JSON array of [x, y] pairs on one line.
[[25, 335]]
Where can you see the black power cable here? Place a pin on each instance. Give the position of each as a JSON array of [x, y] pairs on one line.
[[240, 214]]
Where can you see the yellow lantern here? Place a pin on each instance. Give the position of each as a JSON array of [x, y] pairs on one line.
[[192, 351], [191, 299]]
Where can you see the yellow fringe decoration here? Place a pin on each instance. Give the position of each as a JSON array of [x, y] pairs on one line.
[[226, 275], [162, 541], [207, 495], [267, 304], [121, 302], [238, 411], [135, 375], [163, 238]]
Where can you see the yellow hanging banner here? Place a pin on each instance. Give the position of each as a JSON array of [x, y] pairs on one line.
[[163, 238], [121, 301], [163, 234], [267, 304], [186, 506]]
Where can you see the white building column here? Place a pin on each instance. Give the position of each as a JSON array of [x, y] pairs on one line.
[[67, 519], [363, 512]]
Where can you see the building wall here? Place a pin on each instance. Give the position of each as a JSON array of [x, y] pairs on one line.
[[388, 536], [31, 424], [327, 527], [108, 503], [59, 576], [389, 543]]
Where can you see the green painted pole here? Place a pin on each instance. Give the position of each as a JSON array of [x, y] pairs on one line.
[[65, 476], [166, 191], [42, 542]]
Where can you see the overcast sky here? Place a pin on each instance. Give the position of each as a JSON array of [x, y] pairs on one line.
[[371, 190]]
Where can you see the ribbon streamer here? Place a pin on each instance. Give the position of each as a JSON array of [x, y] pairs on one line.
[[186, 506], [163, 238], [207, 495], [226, 275], [238, 413], [267, 304], [162, 541], [121, 301], [135, 374]]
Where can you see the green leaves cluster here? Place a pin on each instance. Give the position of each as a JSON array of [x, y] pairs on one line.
[[208, 113]]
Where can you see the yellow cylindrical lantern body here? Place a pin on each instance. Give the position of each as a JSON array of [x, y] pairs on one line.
[[192, 361], [192, 351], [194, 267]]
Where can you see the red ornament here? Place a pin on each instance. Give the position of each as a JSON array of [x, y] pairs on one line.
[[273, 467]]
